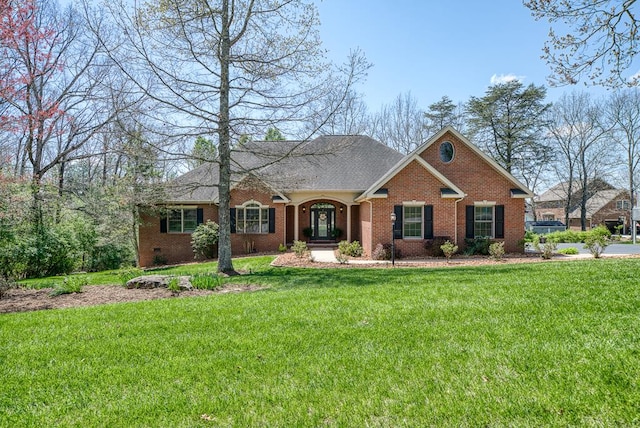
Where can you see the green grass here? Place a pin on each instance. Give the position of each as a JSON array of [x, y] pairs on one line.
[[544, 344], [115, 276]]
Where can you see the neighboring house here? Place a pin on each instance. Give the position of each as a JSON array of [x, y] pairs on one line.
[[345, 187], [606, 205]]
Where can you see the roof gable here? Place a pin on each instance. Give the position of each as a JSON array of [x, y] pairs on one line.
[[449, 190], [519, 190]]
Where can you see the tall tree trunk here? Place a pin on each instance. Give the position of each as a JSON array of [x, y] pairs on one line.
[[569, 201], [585, 192], [224, 184], [61, 172]]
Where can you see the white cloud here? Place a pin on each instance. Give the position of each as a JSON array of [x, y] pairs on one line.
[[634, 79], [505, 78]]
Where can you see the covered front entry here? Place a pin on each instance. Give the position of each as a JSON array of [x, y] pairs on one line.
[[323, 220]]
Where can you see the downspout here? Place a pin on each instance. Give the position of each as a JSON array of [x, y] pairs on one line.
[[370, 226], [284, 223], [455, 216]]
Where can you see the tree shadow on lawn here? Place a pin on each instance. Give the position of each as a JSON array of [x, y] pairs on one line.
[[286, 278]]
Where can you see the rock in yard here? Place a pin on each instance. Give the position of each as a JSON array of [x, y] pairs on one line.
[[158, 281]]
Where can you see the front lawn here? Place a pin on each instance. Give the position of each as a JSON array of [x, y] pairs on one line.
[[542, 344]]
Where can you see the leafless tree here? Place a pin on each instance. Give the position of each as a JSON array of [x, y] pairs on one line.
[[350, 117], [580, 136], [600, 44], [60, 100], [401, 124], [227, 68], [623, 110]]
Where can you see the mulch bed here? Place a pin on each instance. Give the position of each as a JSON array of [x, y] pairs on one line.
[[291, 260], [23, 299]]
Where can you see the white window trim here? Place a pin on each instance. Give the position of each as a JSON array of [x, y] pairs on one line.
[[182, 208], [411, 205], [453, 154], [493, 218], [620, 204], [260, 207]]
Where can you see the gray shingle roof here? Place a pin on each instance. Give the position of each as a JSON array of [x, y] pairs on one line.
[[339, 163], [597, 202]]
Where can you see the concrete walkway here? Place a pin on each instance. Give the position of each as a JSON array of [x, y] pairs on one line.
[[324, 255], [327, 255]]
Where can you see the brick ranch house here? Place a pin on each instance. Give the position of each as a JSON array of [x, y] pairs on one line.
[[345, 187]]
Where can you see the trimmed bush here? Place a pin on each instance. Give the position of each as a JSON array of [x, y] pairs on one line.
[[381, 253], [449, 249], [352, 249], [496, 250], [204, 240], [546, 247], [299, 248], [576, 236], [596, 244]]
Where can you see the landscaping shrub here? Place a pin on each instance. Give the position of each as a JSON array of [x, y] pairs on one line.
[[569, 251], [13, 260], [174, 285], [477, 246], [336, 233], [496, 250], [159, 260], [387, 248], [299, 248], [528, 236], [204, 240], [207, 281], [109, 256], [282, 248], [449, 249], [127, 273], [69, 285], [433, 246], [546, 247], [352, 249], [576, 236], [341, 258], [595, 243], [50, 252], [5, 285], [381, 253]]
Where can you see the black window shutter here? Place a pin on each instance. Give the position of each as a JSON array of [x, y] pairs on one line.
[[499, 221], [163, 225], [397, 230], [470, 220], [200, 216], [428, 222], [232, 219], [272, 220]]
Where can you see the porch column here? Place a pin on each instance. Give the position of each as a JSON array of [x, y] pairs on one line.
[[349, 222], [296, 222]]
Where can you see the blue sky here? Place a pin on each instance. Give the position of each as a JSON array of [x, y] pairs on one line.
[[434, 48]]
